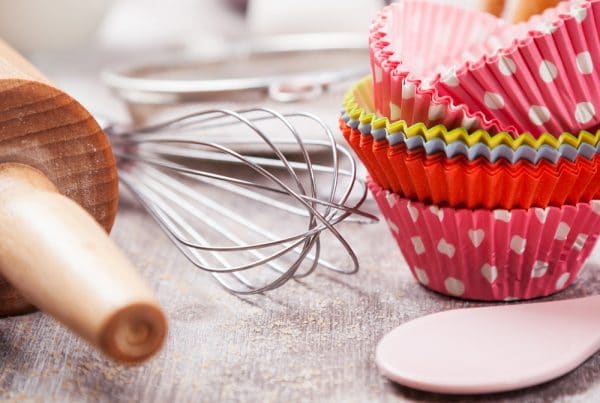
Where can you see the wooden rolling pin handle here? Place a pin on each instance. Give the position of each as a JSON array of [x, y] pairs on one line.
[[63, 262]]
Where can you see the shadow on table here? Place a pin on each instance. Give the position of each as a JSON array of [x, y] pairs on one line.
[[573, 383]]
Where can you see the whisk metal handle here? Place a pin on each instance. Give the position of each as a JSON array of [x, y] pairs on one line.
[[60, 259]]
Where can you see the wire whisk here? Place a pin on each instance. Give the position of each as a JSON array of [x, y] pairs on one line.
[[292, 185]]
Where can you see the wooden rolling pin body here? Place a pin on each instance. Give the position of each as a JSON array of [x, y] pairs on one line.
[[58, 200]]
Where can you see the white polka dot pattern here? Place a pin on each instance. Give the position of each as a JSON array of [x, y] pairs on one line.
[[450, 78], [541, 214], [390, 199], [507, 66], [438, 212], [539, 269], [546, 28], [518, 244], [476, 236], [395, 112], [489, 272], [480, 254], [579, 13], [408, 90], [422, 276], [469, 123], [436, 112], [454, 286], [562, 280], [493, 100], [562, 231], [418, 245], [548, 71], [580, 241], [504, 79], [446, 248], [413, 211], [502, 215], [539, 114], [393, 226], [584, 62], [378, 74], [584, 112]]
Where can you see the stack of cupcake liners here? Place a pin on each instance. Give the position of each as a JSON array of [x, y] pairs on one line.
[[483, 204], [517, 80], [570, 175], [359, 113], [401, 84]]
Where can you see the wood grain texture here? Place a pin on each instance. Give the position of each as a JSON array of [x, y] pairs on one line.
[[45, 128], [308, 341], [62, 261]]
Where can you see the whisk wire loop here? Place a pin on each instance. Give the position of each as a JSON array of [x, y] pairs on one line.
[[173, 166]]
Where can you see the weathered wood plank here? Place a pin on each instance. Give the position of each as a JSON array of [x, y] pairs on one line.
[[305, 342]]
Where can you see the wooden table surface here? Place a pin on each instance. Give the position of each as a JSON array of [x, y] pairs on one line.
[[308, 341]]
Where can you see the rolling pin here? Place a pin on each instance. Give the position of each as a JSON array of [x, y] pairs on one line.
[[58, 201]]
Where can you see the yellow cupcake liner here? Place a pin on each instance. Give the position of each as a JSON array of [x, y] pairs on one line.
[[358, 105]]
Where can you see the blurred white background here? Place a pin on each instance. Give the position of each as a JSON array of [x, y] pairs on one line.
[[57, 25], [72, 41], [140, 25]]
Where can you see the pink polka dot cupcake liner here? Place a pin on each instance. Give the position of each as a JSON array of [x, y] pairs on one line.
[[539, 77], [491, 255], [403, 54]]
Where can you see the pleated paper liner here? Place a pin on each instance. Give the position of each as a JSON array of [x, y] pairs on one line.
[[358, 105], [491, 255], [462, 183], [478, 150], [409, 42], [353, 137], [450, 35], [551, 83], [459, 182], [433, 34], [539, 81]]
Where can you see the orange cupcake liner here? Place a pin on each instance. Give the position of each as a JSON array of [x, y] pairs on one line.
[[458, 182]]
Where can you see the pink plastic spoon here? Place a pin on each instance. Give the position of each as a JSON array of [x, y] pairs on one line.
[[491, 349]]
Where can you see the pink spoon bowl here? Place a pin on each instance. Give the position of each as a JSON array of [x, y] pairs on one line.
[[491, 349]]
